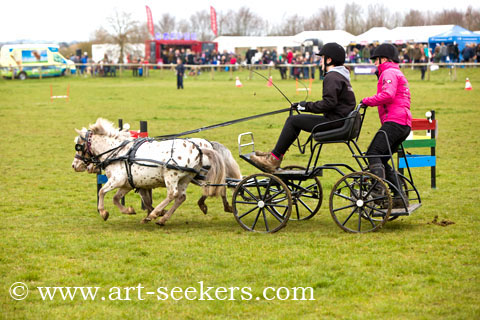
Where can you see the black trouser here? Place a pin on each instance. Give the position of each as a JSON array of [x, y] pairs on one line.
[[179, 81], [294, 124], [396, 133]]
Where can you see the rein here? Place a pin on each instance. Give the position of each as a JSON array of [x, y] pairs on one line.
[[219, 125]]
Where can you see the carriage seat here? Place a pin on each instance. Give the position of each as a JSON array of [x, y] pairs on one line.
[[349, 131]]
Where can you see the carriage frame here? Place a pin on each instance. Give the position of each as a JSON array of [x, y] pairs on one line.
[[263, 202]]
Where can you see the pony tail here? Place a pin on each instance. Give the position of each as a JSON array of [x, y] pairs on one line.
[[216, 174], [232, 169]]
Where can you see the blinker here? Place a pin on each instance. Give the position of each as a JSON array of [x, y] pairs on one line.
[[79, 147]]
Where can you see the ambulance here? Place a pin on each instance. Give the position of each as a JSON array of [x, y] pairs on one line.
[[23, 61]]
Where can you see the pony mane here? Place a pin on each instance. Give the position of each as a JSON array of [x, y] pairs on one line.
[[106, 128]]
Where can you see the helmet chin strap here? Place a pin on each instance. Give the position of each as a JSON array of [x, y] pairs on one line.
[[325, 65]]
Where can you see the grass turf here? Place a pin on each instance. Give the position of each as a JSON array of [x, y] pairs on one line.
[[53, 236]]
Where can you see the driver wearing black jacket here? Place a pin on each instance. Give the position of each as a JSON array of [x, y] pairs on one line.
[[337, 102]]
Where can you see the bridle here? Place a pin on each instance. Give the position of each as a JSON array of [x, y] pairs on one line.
[[87, 156], [86, 149]]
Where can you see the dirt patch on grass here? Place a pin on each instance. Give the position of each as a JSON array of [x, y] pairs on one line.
[[442, 223]]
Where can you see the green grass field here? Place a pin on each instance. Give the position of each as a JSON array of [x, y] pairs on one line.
[[52, 235]]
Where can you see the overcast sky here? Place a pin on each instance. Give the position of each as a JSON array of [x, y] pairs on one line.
[[67, 20]]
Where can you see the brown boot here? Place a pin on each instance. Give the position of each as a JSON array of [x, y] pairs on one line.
[[261, 153], [269, 162]]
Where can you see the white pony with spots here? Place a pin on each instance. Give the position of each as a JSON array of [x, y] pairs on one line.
[[129, 164]]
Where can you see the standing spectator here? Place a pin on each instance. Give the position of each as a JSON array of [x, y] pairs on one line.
[[477, 52], [456, 52], [366, 54], [451, 52], [84, 61], [281, 62], [436, 54], [443, 52], [134, 67], [467, 53], [423, 59], [180, 68]]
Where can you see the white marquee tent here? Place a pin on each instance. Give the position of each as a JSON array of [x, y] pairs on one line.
[[339, 36], [231, 43], [376, 34], [418, 34]]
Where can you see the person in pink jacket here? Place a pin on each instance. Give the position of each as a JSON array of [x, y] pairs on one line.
[[393, 103]]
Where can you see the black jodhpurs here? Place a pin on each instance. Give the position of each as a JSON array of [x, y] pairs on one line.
[[294, 124], [396, 133]]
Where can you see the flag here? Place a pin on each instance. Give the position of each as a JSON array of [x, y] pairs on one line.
[[213, 20], [150, 21]]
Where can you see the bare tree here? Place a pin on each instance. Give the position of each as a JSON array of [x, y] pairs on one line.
[[449, 17], [378, 16], [414, 18], [396, 19], [244, 22], [166, 23], [324, 19], [200, 22], [123, 29], [352, 18], [472, 19], [101, 35], [291, 25], [140, 33]]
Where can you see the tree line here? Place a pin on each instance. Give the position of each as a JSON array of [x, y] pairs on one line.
[[354, 19]]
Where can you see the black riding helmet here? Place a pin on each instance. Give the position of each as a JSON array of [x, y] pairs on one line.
[[335, 52], [386, 50]]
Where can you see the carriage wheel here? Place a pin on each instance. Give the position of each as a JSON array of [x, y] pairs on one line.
[[353, 206], [262, 203], [307, 196]]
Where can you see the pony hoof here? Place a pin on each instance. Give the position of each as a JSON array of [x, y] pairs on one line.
[[204, 209], [104, 214], [131, 211], [228, 209], [160, 223], [145, 220]]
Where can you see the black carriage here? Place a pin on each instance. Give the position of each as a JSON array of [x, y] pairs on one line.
[[265, 202]]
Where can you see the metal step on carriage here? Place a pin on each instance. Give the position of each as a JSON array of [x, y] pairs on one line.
[[265, 202]]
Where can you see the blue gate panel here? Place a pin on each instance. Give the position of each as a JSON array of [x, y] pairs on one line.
[[416, 161], [102, 179]]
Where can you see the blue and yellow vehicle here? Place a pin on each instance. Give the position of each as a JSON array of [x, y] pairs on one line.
[[24, 61]]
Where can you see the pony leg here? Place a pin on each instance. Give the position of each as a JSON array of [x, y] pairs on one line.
[[178, 201], [116, 201], [101, 197], [145, 194], [202, 205], [158, 209], [180, 196], [226, 206]]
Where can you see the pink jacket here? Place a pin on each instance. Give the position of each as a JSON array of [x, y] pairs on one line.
[[393, 95]]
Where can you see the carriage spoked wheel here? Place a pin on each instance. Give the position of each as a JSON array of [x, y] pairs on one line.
[[262, 203], [307, 195], [360, 202]]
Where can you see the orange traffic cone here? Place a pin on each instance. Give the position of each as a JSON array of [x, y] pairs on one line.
[[468, 85], [270, 82], [238, 84]]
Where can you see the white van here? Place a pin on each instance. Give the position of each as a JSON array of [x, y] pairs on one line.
[[30, 60]]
